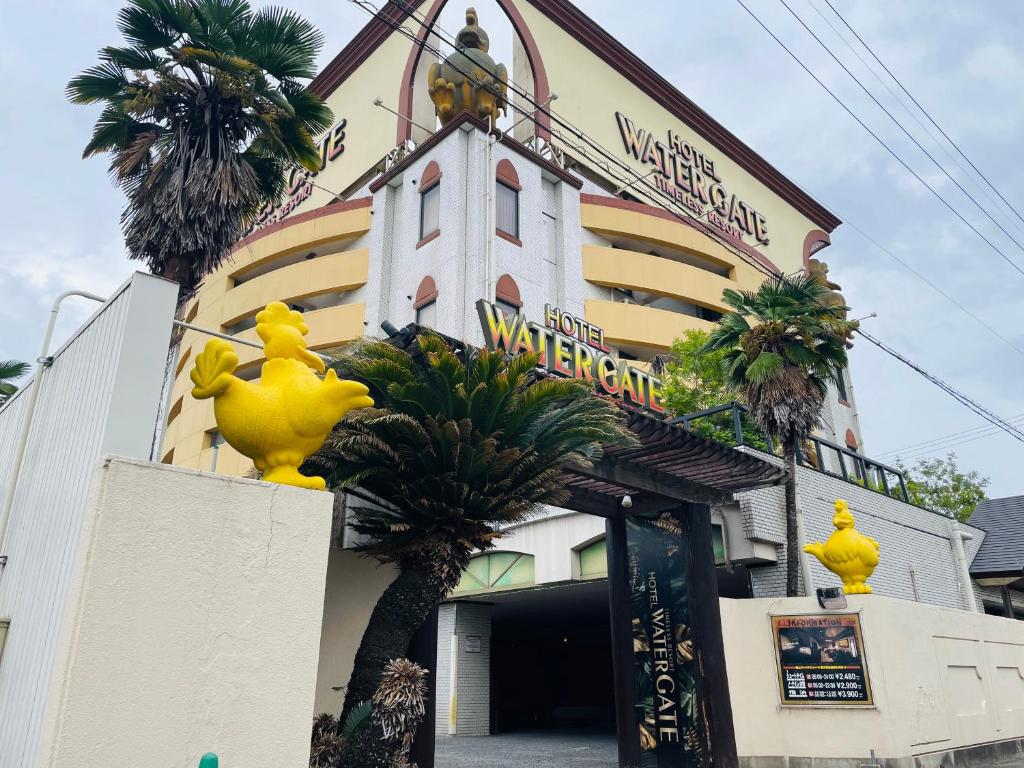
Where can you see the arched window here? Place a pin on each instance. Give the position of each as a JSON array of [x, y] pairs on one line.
[[851, 440], [496, 570], [506, 292], [430, 203], [425, 302], [507, 203]]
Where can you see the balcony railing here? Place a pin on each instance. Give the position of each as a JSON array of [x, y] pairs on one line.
[[826, 457]]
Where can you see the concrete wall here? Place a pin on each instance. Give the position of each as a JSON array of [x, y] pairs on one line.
[[193, 622], [354, 584], [100, 395], [942, 680], [916, 557]]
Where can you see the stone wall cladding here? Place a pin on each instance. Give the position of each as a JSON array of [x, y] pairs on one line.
[[908, 535]]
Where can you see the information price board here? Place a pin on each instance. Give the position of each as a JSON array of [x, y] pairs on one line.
[[821, 660]]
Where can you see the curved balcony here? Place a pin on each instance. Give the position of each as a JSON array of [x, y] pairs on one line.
[[615, 218], [635, 271], [335, 273], [340, 221], [636, 325]]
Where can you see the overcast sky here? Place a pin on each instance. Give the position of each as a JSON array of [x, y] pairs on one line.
[[962, 61]]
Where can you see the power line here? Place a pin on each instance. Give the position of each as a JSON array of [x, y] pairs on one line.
[[900, 125], [877, 138], [924, 111], [913, 114], [960, 397], [934, 287], [953, 438]]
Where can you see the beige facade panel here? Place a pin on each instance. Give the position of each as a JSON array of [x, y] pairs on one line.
[[630, 270], [573, 68], [335, 273], [633, 324]]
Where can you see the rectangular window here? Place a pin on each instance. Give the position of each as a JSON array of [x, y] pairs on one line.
[[430, 211], [427, 315], [508, 210], [841, 385]]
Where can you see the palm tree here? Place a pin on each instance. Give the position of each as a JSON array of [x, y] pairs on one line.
[[203, 114], [458, 446], [783, 346], [9, 371]]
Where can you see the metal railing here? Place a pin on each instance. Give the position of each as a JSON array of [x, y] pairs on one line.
[[827, 457]]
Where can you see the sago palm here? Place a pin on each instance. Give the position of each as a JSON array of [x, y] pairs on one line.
[[9, 371], [458, 446], [203, 114], [783, 345]]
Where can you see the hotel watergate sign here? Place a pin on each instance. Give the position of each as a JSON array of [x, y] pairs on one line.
[[689, 177], [569, 346], [668, 715], [821, 660], [300, 180]]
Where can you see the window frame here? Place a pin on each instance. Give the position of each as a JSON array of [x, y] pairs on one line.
[[435, 186], [515, 192]]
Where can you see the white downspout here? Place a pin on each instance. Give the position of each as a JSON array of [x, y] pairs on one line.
[[492, 193], [805, 563], [42, 363], [453, 688], [957, 537]]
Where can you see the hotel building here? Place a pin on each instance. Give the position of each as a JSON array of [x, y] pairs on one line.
[[625, 205]]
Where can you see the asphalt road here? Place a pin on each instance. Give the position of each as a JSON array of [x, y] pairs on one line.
[[541, 749]]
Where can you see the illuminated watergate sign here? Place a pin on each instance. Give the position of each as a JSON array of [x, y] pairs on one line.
[[569, 346], [689, 176]]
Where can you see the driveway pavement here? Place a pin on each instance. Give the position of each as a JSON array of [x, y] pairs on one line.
[[540, 749]]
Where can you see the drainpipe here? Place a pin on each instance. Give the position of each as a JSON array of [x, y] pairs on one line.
[[805, 564], [957, 537], [492, 192], [42, 363]]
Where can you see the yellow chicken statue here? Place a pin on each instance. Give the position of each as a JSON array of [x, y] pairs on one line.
[[284, 417], [848, 553]]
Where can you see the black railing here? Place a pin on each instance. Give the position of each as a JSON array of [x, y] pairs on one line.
[[827, 457]]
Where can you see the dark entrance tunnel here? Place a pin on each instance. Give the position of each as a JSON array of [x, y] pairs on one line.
[[551, 663]]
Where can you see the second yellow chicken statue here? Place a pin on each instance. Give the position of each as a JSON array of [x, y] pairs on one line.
[[848, 553], [283, 418]]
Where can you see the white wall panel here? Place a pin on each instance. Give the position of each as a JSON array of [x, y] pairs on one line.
[[100, 395]]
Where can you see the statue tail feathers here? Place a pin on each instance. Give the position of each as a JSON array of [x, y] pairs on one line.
[[817, 549], [212, 371]]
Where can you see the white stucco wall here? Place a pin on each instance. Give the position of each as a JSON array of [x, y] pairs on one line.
[[193, 622], [942, 679]]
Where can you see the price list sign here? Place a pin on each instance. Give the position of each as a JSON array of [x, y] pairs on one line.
[[821, 660]]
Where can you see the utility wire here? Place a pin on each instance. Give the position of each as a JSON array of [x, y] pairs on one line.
[[900, 125], [925, 112], [954, 437], [911, 113], [960, 397], [877, 138]]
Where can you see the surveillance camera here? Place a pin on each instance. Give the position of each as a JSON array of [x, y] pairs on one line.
[[627, 501]]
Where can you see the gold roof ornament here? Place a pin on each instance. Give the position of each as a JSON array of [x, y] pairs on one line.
[[818, 270], [469, 79]]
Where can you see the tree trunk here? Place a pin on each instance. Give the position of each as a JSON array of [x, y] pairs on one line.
[[398, 614], [792, 544]]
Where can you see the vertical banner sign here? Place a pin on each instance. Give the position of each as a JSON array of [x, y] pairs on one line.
[[821, 660], [666, 674]]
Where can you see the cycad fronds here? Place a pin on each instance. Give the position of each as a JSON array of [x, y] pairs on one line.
[[458, 446]]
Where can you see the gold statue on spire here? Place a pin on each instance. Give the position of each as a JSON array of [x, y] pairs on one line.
[[469, 79]]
